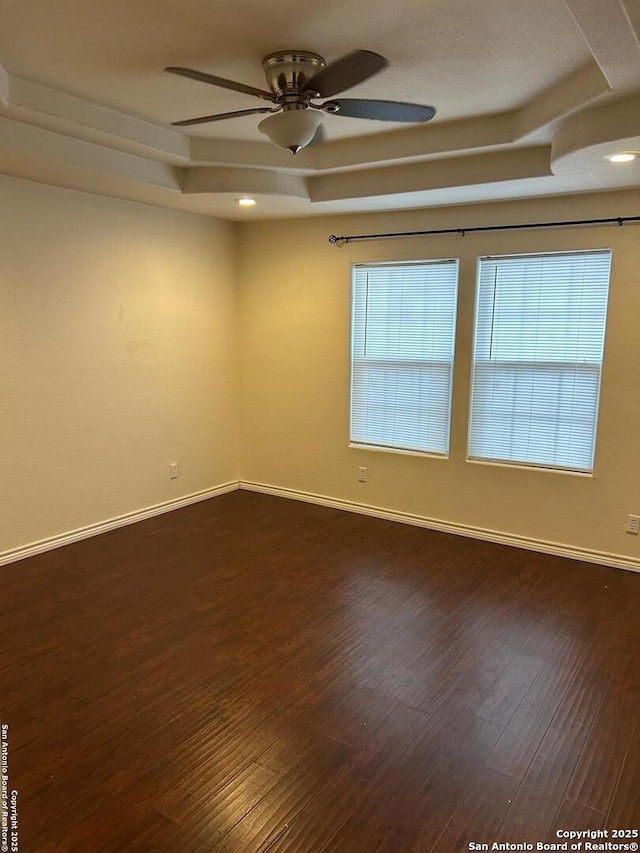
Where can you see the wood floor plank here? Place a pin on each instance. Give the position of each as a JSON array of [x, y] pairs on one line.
[[226, 807], [544, 786], [256, 674], [375, 771], [574, 815], [310, 829], [262, 826], [461, 769], [111, 828], [536, 803], [525, 731], [479, 814], [624, 812], [596, 775], [507, 693], [429, 778]]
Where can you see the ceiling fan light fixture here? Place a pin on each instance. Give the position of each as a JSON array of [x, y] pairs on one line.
[[291, 129], [623, 157]]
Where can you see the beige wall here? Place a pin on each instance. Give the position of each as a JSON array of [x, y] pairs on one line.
[[295, 330], [117, 356]]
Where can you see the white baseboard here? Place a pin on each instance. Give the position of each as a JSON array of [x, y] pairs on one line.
[[603, 558], [618, 561], [43, 545]]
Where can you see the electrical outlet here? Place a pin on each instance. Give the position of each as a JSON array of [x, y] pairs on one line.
[[633, 524], [173, 470], [362, 475]]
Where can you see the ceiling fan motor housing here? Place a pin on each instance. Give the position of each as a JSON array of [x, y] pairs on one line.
[[287, 72]]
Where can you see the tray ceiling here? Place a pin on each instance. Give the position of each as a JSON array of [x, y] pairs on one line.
[[531, 99]]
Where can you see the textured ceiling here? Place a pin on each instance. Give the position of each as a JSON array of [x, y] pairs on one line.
[[467, 58], [82, 92]]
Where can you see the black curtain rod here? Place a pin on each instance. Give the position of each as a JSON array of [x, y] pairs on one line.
[[616, 220]]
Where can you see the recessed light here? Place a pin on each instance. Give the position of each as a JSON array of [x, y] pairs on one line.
[[246, 202], [623, 157]]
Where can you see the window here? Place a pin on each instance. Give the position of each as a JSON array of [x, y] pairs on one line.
[[402, 354], [540, 322]]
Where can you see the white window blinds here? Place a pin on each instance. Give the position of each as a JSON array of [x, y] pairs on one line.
[[540, 322], [402, 354]]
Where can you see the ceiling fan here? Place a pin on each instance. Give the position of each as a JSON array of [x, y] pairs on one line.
[[295, 79]]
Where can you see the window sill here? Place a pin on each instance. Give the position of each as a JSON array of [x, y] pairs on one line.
[[522, 467], [378, 449]]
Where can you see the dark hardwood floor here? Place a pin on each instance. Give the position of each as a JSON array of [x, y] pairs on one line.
[[253, 674]]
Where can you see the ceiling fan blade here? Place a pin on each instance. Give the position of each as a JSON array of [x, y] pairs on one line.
[[345, 73], [380, 110], [221, 116], [220, 81]]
